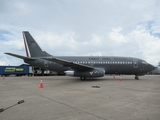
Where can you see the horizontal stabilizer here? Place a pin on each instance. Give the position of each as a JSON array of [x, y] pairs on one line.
[[19, 56]]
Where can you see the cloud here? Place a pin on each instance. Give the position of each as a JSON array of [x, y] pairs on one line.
[[107, 27], [117, 37], [54, 42], [139, 42], [4, 60]]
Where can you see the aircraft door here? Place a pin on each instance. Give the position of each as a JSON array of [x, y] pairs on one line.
[[135, 63], [92, 63], [45, 63]]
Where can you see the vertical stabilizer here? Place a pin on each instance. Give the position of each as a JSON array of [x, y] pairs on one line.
[[31, 46]]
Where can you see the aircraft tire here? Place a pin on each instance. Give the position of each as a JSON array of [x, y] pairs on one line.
[[82, 78], [136, 77]]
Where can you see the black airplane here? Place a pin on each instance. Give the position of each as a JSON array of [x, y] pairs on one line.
[[82, 66]]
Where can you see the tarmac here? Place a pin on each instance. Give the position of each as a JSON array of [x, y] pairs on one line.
[[69, 98]]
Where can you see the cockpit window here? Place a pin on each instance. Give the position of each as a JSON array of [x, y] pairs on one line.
[[144, 62]]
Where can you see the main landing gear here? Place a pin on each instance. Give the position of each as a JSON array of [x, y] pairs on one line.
[[82, 78], [136, 77]]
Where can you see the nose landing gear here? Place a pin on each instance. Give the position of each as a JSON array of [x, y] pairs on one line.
[[82, 78]]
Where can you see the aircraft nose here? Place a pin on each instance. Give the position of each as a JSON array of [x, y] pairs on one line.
[[151, 67]]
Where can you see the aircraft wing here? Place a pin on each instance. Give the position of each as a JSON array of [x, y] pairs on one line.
[[19, 56], [70, 64]]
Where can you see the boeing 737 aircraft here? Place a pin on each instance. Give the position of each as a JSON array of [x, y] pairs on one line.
[[82, 66]]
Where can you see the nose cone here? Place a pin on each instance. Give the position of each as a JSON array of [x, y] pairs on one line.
[[151, 67]]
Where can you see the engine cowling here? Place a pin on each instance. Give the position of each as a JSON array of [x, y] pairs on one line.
[[90, 73]]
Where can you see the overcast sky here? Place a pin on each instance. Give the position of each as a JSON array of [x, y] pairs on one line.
[[128, 28]]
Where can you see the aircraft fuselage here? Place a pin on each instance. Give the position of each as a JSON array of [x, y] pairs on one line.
[[111, 65]]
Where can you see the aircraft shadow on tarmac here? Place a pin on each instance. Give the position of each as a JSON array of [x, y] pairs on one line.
[[106, 79]]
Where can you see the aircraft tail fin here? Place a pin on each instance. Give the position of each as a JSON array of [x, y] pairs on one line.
[[31, 46]]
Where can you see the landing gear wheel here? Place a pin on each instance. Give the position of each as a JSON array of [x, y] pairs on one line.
[[82, 78], [136, 77]]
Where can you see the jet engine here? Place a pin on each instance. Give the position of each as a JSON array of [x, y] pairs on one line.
[[97, 72]]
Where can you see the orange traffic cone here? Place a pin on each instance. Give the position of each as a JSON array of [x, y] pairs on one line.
[[41, 85], [114, 77], [120, 79], [3, 78]]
